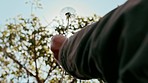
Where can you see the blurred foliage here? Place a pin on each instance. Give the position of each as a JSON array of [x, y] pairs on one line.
[[74, 24], [25, 51], [25, 54]]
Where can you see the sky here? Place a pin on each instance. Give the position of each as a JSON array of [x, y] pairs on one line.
[[52, 8]]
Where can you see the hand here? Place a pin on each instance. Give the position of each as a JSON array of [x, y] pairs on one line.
[[56, 43]]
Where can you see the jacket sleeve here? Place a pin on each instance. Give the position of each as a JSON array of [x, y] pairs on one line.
[[114, 49], [79, 55], [75, 55], [133, 67]]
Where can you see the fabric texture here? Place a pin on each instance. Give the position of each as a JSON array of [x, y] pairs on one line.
[[114, 49]]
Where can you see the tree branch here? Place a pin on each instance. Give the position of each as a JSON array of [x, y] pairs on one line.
[[17, 62], [50, 70], [35, 58]]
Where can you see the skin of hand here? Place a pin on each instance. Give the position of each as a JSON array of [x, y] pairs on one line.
[[56, 43]]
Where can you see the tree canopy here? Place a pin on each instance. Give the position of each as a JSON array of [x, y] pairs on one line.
[[25, 54]]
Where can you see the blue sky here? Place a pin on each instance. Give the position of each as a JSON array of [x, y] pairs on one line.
[[52, 8]]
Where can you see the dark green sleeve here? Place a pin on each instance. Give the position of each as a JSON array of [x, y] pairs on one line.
[[133, 52], [114, 49], [79, 55]]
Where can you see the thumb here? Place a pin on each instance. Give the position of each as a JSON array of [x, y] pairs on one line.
[[56, 43]]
